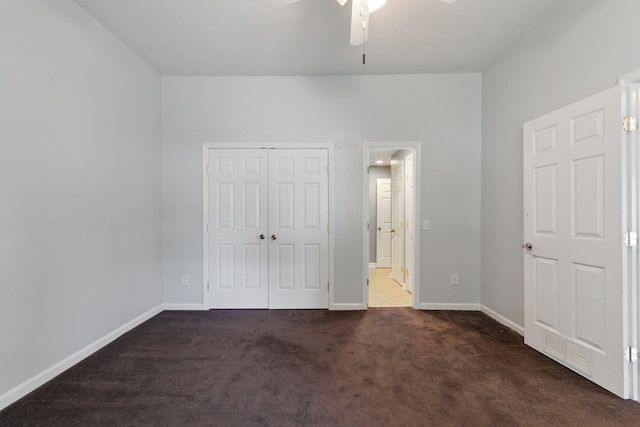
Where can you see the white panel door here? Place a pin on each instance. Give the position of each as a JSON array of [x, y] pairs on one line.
[[408, 223], [383, 219], [574, 205], [238, 248], [298, 228], [397, 221]]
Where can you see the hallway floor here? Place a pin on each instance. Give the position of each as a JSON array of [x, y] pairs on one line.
[[386, 292]]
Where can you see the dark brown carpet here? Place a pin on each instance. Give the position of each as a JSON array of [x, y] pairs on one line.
[[383, 367]]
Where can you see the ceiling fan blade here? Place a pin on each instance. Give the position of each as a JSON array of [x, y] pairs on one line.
[[359, 22], [280, 3]]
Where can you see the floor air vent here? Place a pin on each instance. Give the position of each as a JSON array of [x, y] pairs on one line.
[[572, 354]]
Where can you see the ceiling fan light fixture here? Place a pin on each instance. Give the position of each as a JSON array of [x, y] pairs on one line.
[[374, 5], [341, 2]]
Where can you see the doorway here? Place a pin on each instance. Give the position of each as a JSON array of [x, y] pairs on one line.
[[390, 244]]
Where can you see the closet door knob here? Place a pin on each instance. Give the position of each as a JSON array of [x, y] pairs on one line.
[[274, 237], [262, 237]]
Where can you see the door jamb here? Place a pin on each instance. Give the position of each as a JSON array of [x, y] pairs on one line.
[[417, 164], [630, 90], [205, 204]]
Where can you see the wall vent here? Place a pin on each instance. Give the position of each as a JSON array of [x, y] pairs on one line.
[[572, 354]]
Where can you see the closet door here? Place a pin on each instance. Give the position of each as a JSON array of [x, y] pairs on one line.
[[238, 228], [298, 228]]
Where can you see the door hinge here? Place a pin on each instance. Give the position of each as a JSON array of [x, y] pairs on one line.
[[630, 238], [368, 168], [207, 169], [631, 354], [367, 226], [328, 286], [629, 124], [208, 287], [367, 283]]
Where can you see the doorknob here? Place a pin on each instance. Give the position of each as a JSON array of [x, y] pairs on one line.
[[393, 230], [274, 237], [379, 228], [262, 237], [527, 246]]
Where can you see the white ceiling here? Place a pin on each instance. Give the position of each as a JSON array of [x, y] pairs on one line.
[[311, 37]]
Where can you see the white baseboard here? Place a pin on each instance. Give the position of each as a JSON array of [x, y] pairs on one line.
[[347, 306], [447, 306], [184, 307], [372, 265], [500, 318], [40, 379]]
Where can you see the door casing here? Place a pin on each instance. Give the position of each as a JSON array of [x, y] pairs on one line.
[[414, 146]]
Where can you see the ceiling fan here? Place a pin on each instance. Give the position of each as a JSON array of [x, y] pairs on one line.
[[360, 10]]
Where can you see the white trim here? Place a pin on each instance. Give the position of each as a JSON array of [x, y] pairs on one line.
[[449, 306], [347, 306], [48, 374], [373, 265], [329, 148], [632, 77], [500, 318], [206, 304], [184, 307], [414, 146]]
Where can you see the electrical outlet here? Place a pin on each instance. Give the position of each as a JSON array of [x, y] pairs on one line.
[[454, 280], [426, 224], [184, 280]]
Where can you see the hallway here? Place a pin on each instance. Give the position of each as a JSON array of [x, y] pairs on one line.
[[386, 292]]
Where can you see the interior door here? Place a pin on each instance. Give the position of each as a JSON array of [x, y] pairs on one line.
[[574, 220], [397, 221], [408, 223], [238, 248], [383, 218], [298, 228]]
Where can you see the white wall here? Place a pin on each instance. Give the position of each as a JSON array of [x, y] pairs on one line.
[[344, 110], [376, 172], [581, 48], [80, 196]]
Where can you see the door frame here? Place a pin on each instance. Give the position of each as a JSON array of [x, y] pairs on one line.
[[414, 146], [205, 203], [630, 84]]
